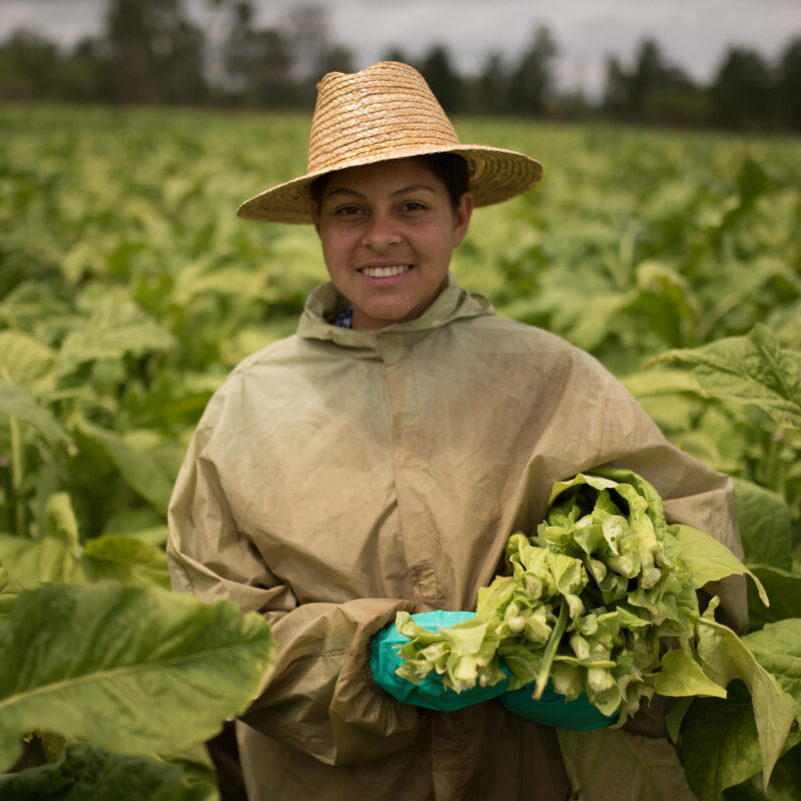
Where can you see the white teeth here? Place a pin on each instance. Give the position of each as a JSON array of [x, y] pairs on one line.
[[385, 272]]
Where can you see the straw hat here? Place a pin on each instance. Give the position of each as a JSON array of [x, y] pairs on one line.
[[384, 112]]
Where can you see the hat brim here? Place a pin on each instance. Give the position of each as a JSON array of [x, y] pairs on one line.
[[496, 174]]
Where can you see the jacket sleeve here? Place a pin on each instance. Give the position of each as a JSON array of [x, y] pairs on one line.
[[320, 696], [693, 493]]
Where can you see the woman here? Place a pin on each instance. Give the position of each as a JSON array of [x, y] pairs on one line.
[[378, 460]]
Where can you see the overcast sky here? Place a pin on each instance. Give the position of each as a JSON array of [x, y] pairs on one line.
[[693, 33]]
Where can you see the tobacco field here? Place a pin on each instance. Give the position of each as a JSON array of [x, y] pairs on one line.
[[129, 288]]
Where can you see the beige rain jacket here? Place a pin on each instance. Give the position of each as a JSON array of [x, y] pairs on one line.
[[339, 476]]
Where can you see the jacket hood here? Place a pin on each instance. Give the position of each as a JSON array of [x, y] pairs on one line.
[[338, 477], [452, 303]]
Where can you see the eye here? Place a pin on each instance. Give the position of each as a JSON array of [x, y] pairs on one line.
[[412, 206], [347, 210]]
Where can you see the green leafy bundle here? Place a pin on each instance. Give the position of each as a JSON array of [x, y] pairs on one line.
[[602, 600]]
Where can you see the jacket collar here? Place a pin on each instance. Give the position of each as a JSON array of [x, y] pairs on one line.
[[452, 303]]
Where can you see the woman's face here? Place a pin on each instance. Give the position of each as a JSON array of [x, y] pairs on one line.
[[387, 232]]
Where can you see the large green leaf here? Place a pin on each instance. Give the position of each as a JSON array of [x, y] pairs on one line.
[[157, 535], [777, 647], [669, 395], [763, 518], [681, 676], [608, 764], [786, 777], [23, 359], [31, 563], [664, 303], [726, 658], [719, 743], [752, 369], [784, 591], [141, 471], [85, 773], [134, 669], [708, 560], [9, 590], [60, 521], [784, 782], [201, 278], [660, 381], [113, 330], [196, 762], [19, 403], [127, 559]]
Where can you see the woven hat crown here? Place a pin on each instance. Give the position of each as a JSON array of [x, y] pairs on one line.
[[385, 112]]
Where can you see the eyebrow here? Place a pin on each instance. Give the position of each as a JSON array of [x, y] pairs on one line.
[[342, 190]]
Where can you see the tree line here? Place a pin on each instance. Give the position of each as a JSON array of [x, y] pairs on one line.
[[153, 52]]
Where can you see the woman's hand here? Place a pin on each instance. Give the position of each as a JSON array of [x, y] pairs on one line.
[[553, 709], [430, 692]]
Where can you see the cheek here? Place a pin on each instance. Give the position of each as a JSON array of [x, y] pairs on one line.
[[441, 244], [334, 247]]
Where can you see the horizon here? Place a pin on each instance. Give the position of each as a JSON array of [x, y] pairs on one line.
[[586, 31]]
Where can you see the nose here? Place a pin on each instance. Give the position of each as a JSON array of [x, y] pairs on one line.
[[381, 233]]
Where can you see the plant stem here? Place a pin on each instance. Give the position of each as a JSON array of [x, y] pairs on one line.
[[5, 471], [776, 466], [550, 651], [15, 499]]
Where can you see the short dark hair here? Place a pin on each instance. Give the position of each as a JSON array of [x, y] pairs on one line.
[[450, 168]]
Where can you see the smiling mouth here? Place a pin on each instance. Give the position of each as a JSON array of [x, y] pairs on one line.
[[385, 272]]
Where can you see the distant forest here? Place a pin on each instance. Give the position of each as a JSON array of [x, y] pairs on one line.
[[152, 52]]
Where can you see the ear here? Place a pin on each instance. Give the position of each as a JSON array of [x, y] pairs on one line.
[[461, 217]]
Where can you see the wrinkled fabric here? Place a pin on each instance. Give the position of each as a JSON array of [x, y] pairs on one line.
[[339, 476]]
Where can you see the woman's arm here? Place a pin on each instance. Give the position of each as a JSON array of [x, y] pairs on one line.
[[693, 493], [320, 696]]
